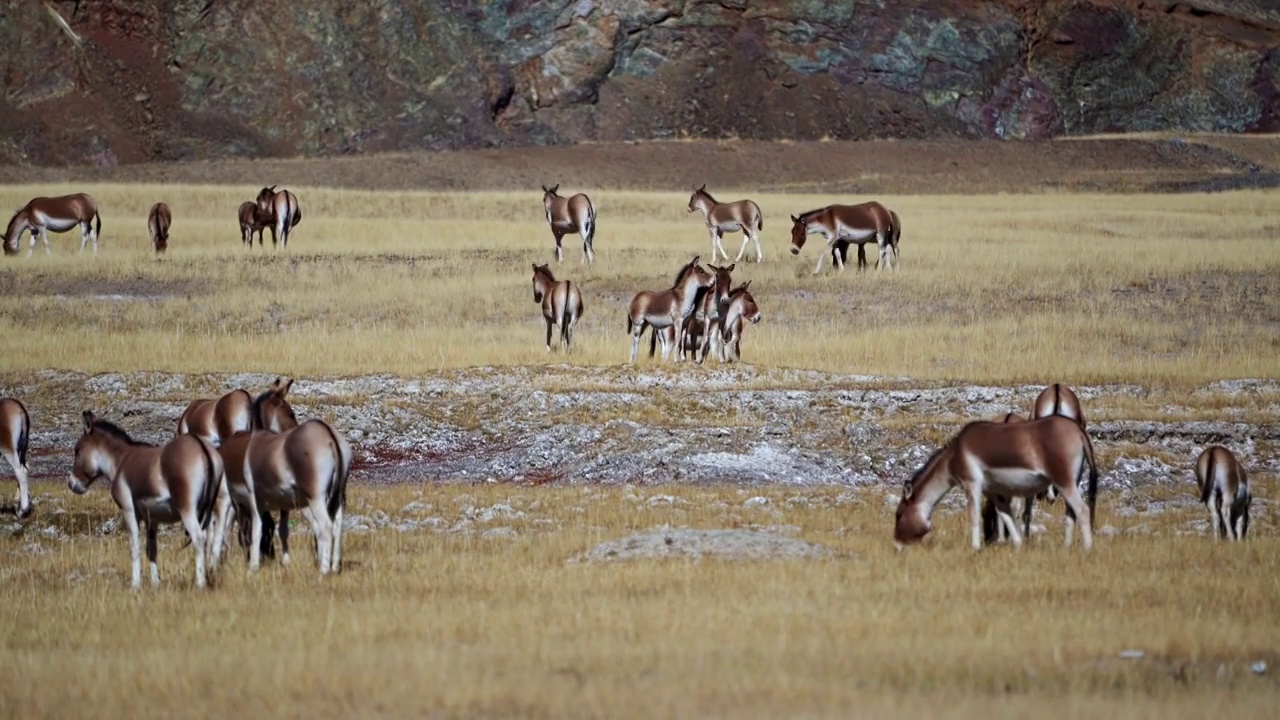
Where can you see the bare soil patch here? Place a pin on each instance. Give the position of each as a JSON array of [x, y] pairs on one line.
[[1170, 163]]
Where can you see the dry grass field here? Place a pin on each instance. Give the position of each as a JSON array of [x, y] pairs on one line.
[[467, 599], [1150, 289], [466, 623]]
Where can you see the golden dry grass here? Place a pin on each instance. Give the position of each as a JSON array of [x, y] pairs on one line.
[[425, 624], [1083, 288]]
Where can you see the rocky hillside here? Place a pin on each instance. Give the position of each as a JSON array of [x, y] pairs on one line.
[[121, 81]]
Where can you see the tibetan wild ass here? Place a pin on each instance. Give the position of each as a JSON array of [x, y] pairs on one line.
[[15, 435], [858, 224], [279, 209], [1224, 490], [742, 307], [561, 303], [158, 221], [176, 482], [58, 214], [666, 308], [733, 216], [251, 221], [1005, 460], [570, 215]]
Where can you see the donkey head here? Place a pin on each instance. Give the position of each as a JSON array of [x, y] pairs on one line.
[[265, 196], [723, 282], [271, 411], [699, 198], [799, 233], [92, 460], [541, 277]]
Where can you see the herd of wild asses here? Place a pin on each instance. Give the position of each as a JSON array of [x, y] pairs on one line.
[[241, 458]]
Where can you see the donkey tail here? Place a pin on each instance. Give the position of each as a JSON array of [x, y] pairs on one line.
[[565, 309], [1091, 495], [213, 464], [895, 231], [297, 216], [337, 498], [1207, 490], [97, 224], [24, 435], [759, 219]]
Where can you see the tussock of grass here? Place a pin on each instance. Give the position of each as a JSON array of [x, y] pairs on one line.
[[423, 623], [1153, 289]]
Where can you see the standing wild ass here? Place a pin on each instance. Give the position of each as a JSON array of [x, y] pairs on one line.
[[58, 214], [1224, 490], [176, 482], [733, 216], [15, 435], [561, 303], [158, 221], [858, 224], [251, 221], [667, 308], [279, 209], [1005, 460], [742, 307], [570, 215]]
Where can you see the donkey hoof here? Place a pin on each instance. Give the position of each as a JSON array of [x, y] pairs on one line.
[[25, 512]]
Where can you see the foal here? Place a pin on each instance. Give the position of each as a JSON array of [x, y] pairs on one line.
[[15, 434], [561, 303], [726, 217], [1224, 490], [742, 306], [158, 221], [1006, 460], [667, 308], [251, 221], [176, 482], [709, 312], [570, 215]]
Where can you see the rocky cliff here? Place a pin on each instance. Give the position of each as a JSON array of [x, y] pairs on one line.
[[119, 81]]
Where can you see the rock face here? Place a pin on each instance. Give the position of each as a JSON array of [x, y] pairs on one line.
[[112, 81]]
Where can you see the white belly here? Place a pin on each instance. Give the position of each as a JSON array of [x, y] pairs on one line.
[[56, 224], [1015, 481], [856, 234], [157, 510], [276, 497]]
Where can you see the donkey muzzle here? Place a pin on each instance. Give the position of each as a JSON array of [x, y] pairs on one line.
[[75, 485]]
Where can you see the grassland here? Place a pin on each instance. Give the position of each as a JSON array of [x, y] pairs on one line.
[[454, 624], [1086, 288]]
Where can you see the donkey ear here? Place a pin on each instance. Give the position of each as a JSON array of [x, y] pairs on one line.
[[745, 285], [696, 258], [731, 267], [544, 189], [272, 188], [554, 188], [285, 390], [704, 187], [795, 219], [88, 420]]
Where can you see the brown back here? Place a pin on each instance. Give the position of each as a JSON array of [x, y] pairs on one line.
[[1058, 399]]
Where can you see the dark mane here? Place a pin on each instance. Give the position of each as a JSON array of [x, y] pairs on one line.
[[115, 431], [688, 268], [545, 271], [741, 289], [255, 413], [810, 213], [703, 191], [918, 474]]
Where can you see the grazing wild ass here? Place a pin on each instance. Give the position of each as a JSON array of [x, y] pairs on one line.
[[561, 303], [15, 435], [279, 209], [175, 482], [58, 214], [858, 224], [251, 221], [158, 221], [660, 309], [742, 307], [570, 215], [1005, 460], [1224, 490], [733, 216]]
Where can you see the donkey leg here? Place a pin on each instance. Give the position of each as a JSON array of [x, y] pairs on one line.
[[746, 240], [322, 528], [284, 537], [559, 250], [20, 473], [974, 491], [135, 549], [755, 237], [637, 329], [1215, 520], [151, 554], [197, 535], [255, 535], [222, 508], [1076, 505], [335, 560], [44, 236], [550, 323]]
